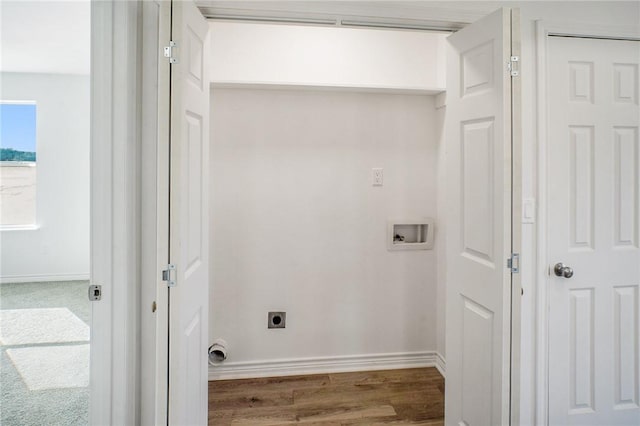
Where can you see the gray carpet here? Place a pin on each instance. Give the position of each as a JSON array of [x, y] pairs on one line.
[[44, 367]]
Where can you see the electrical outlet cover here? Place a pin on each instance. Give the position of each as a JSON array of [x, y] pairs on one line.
[[377, 176]]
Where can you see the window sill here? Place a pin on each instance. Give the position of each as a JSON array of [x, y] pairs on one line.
[[19, 227]]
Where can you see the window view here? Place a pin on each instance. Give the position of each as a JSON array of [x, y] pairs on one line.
[[17, 163]]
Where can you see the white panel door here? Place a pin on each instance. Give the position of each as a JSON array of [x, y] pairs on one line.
[[594, 200], [479, 185], [188, 299]]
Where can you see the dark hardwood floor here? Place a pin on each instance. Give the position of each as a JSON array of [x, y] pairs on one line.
[[391, 397]]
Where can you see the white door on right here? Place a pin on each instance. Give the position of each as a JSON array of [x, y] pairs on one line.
[[594, 232]]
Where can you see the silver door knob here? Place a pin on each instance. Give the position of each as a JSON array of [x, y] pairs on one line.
[[562, 270]]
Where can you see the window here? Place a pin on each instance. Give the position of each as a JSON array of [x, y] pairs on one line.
[[17, 164]]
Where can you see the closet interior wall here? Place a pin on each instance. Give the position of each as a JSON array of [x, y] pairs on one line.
[[300, 115]]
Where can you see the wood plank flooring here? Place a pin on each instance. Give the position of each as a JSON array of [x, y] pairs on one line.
[[391, 397]]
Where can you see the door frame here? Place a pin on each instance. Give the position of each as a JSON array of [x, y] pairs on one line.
[[110, 360], [516, 222], [128, 221], [154, 212], [126, 218], [114, 45], [113, 354], [545, 29]]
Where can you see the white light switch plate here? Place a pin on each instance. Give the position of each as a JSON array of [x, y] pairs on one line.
[[529, 210]]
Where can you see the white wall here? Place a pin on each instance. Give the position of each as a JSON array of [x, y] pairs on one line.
[[59, 248], [326, 56], [45, 36], [297, 226]]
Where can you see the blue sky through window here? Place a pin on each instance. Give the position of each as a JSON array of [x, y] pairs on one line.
[[18, 126]]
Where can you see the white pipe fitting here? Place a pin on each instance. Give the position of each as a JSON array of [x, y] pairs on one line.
[[217, 352]]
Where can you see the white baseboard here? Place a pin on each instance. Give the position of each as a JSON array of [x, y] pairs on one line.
[[441, 364], [43, 278], [338, 364]]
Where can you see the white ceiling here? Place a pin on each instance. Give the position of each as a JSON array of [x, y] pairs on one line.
[[45, 36]]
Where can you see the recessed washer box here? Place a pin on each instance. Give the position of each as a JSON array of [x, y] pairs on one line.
[[410, 234]]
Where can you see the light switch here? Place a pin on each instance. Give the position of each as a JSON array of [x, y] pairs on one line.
[[529, 210]]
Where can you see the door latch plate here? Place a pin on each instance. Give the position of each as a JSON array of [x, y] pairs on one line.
[[95, 292], [513, 263]]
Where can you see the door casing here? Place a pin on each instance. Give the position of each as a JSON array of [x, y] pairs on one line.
[[114, 213], [154, 228], [129, 234]]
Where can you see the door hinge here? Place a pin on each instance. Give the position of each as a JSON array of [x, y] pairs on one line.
[[169, 275], [514, 66], [513, 263], [169, 52]]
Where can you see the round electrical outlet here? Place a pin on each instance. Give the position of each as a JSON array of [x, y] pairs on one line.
[[276, 320]]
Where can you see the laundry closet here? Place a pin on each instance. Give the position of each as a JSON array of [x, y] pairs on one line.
[[347, 197], [358, 217], [326, 174]]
